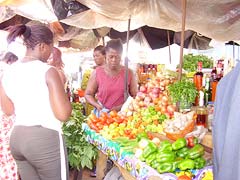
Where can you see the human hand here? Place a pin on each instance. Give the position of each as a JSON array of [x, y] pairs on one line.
[[116, 108], [99, 107]]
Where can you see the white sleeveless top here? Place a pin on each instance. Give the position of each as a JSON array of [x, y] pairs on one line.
[[25, 84]]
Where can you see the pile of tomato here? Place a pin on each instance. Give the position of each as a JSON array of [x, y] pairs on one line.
[[105, 119]]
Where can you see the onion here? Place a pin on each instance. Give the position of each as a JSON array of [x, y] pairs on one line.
[[162, 84], [167, 81], [156, 90], [130, 107], [155, 95], [164, 99], [156, 141], [151, 104], [162, 88], [164, 103], [147, 99], [141, 104], [170, 109], [143, 89]]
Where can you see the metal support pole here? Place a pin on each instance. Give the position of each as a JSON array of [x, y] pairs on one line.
[[182, 38]]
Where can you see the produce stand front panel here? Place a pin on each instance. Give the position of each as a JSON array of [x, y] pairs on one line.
[[136, 168]]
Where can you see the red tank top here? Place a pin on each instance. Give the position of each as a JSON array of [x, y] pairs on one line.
[[111, 88]]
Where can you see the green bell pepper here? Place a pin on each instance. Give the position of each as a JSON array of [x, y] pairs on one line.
[[165, 156], [165, 167], [177, 162], [150, 158], [182, 152], [165, 146], [186, 164], [142, 135], [199, 163], [142, 158], [154, 164], [196, 151], [179, 143], [149, 149]]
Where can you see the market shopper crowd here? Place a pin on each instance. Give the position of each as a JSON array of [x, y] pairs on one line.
[[32, 92]]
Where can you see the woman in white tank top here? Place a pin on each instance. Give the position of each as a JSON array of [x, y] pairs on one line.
[[34, 92]]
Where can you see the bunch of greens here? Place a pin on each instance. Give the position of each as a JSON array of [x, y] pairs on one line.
[[80, 152], [190, 62], [183, 91]]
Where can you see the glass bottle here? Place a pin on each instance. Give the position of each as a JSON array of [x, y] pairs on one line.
[[207, 92], [198, 81], [198, 77]]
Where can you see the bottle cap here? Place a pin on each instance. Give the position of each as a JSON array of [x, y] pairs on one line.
[[199, 63]]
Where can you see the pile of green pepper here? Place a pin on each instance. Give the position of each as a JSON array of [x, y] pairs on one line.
[[171, 156]]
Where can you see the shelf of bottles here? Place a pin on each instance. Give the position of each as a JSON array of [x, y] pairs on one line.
[[146, 72], [206, 84]]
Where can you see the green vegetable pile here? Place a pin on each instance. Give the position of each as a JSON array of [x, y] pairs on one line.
[[183, 91], [190, 62], [80, 152], [170, 157], [150, 114]]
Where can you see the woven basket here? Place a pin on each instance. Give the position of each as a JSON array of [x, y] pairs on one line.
[[182, 133]]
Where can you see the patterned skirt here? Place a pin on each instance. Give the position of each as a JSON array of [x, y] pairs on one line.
[[8, 167]]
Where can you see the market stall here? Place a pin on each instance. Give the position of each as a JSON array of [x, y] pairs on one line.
[[163, 106], [130, 165], [154, 115]]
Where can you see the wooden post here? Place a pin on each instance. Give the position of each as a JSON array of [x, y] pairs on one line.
[[182, 38], [169, 48], [126, 63]]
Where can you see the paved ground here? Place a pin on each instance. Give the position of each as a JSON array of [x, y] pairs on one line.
[[86, 175]]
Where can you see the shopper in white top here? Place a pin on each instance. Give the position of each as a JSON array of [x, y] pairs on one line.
[[34, 92]]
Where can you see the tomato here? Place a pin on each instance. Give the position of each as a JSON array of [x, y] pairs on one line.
[[127, 131], [104, 115], [93, 127], [150, 136], [102, 119], [93, 118], [132, 136], [113, 113], [155, 122], [118, 120], [109, 120], [170, 109], [184, 177], [99, 125], [137, 124]]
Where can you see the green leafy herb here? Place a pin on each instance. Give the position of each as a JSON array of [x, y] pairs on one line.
[[80, 152], [190, 62], [183, 91]]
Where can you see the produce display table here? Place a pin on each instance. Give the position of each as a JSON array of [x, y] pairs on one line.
[[128, 164]]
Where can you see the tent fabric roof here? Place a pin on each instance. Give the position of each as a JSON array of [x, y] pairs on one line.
[[215, 19]]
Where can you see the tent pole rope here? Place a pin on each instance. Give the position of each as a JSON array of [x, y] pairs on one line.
[[182, 38], [169, 47], [126, 63]]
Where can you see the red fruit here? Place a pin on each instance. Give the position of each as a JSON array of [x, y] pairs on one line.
[[143, 89]]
